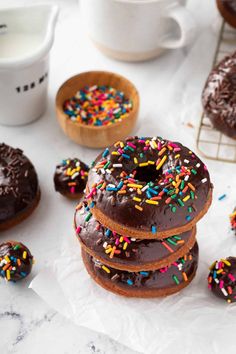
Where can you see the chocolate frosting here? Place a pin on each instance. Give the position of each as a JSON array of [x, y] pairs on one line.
[[219, 96], [18, 183], [222, 279], [15, 261], [230, 5], [124, 251], [179, 188], [177, 273], [70, 177]]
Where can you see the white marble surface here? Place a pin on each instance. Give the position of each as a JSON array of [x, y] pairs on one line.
[[27, 324]]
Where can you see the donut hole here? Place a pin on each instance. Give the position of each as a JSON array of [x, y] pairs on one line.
[[148, 173]]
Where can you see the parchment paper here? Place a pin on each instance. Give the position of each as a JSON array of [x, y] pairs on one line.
[[193, 321], [166, 325]]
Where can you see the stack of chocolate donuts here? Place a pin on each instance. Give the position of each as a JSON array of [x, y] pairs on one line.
[[137, 223]]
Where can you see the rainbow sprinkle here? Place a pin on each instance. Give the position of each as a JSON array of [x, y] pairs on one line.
[[98, 106], [221, 197]]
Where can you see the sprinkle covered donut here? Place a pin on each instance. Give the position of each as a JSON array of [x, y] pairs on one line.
[[219, 98], [145, 284], [19, 189], [128, 253], [148, 188]]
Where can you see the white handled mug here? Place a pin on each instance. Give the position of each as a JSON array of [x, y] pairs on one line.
[[135, 30]]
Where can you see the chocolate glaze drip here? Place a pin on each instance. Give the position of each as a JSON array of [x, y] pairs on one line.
[[222, 279], [166, 277], [134, 252], [70, 176], [121, 207], [15, 261], [219, 96], [18, 182]]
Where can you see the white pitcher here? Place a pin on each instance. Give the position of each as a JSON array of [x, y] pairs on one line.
[[26, 37]]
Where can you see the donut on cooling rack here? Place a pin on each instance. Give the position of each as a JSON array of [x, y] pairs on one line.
[[148, 188], [227, 9], [219, 96], [19, 189]]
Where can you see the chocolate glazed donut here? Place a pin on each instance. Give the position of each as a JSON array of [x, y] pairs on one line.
[[219, 96], [127, 253], [227, 9], [145, 284], [19, 190], [148, 188]]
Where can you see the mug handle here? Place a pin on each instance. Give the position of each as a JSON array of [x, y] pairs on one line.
[[186, 23]]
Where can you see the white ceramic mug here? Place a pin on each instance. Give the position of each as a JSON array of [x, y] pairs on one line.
[[135, 30]]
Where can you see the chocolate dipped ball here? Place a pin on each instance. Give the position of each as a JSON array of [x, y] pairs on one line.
[[19, 189], [15, 261], [70, 178], [219, 96], [227, 9], [222, 279]]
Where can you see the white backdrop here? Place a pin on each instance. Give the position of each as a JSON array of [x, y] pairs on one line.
[[170, 88]]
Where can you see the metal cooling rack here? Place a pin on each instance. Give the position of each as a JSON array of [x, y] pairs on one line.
[[210, 142]]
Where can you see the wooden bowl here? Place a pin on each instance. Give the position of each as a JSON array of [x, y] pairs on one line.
[[96, 136]]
